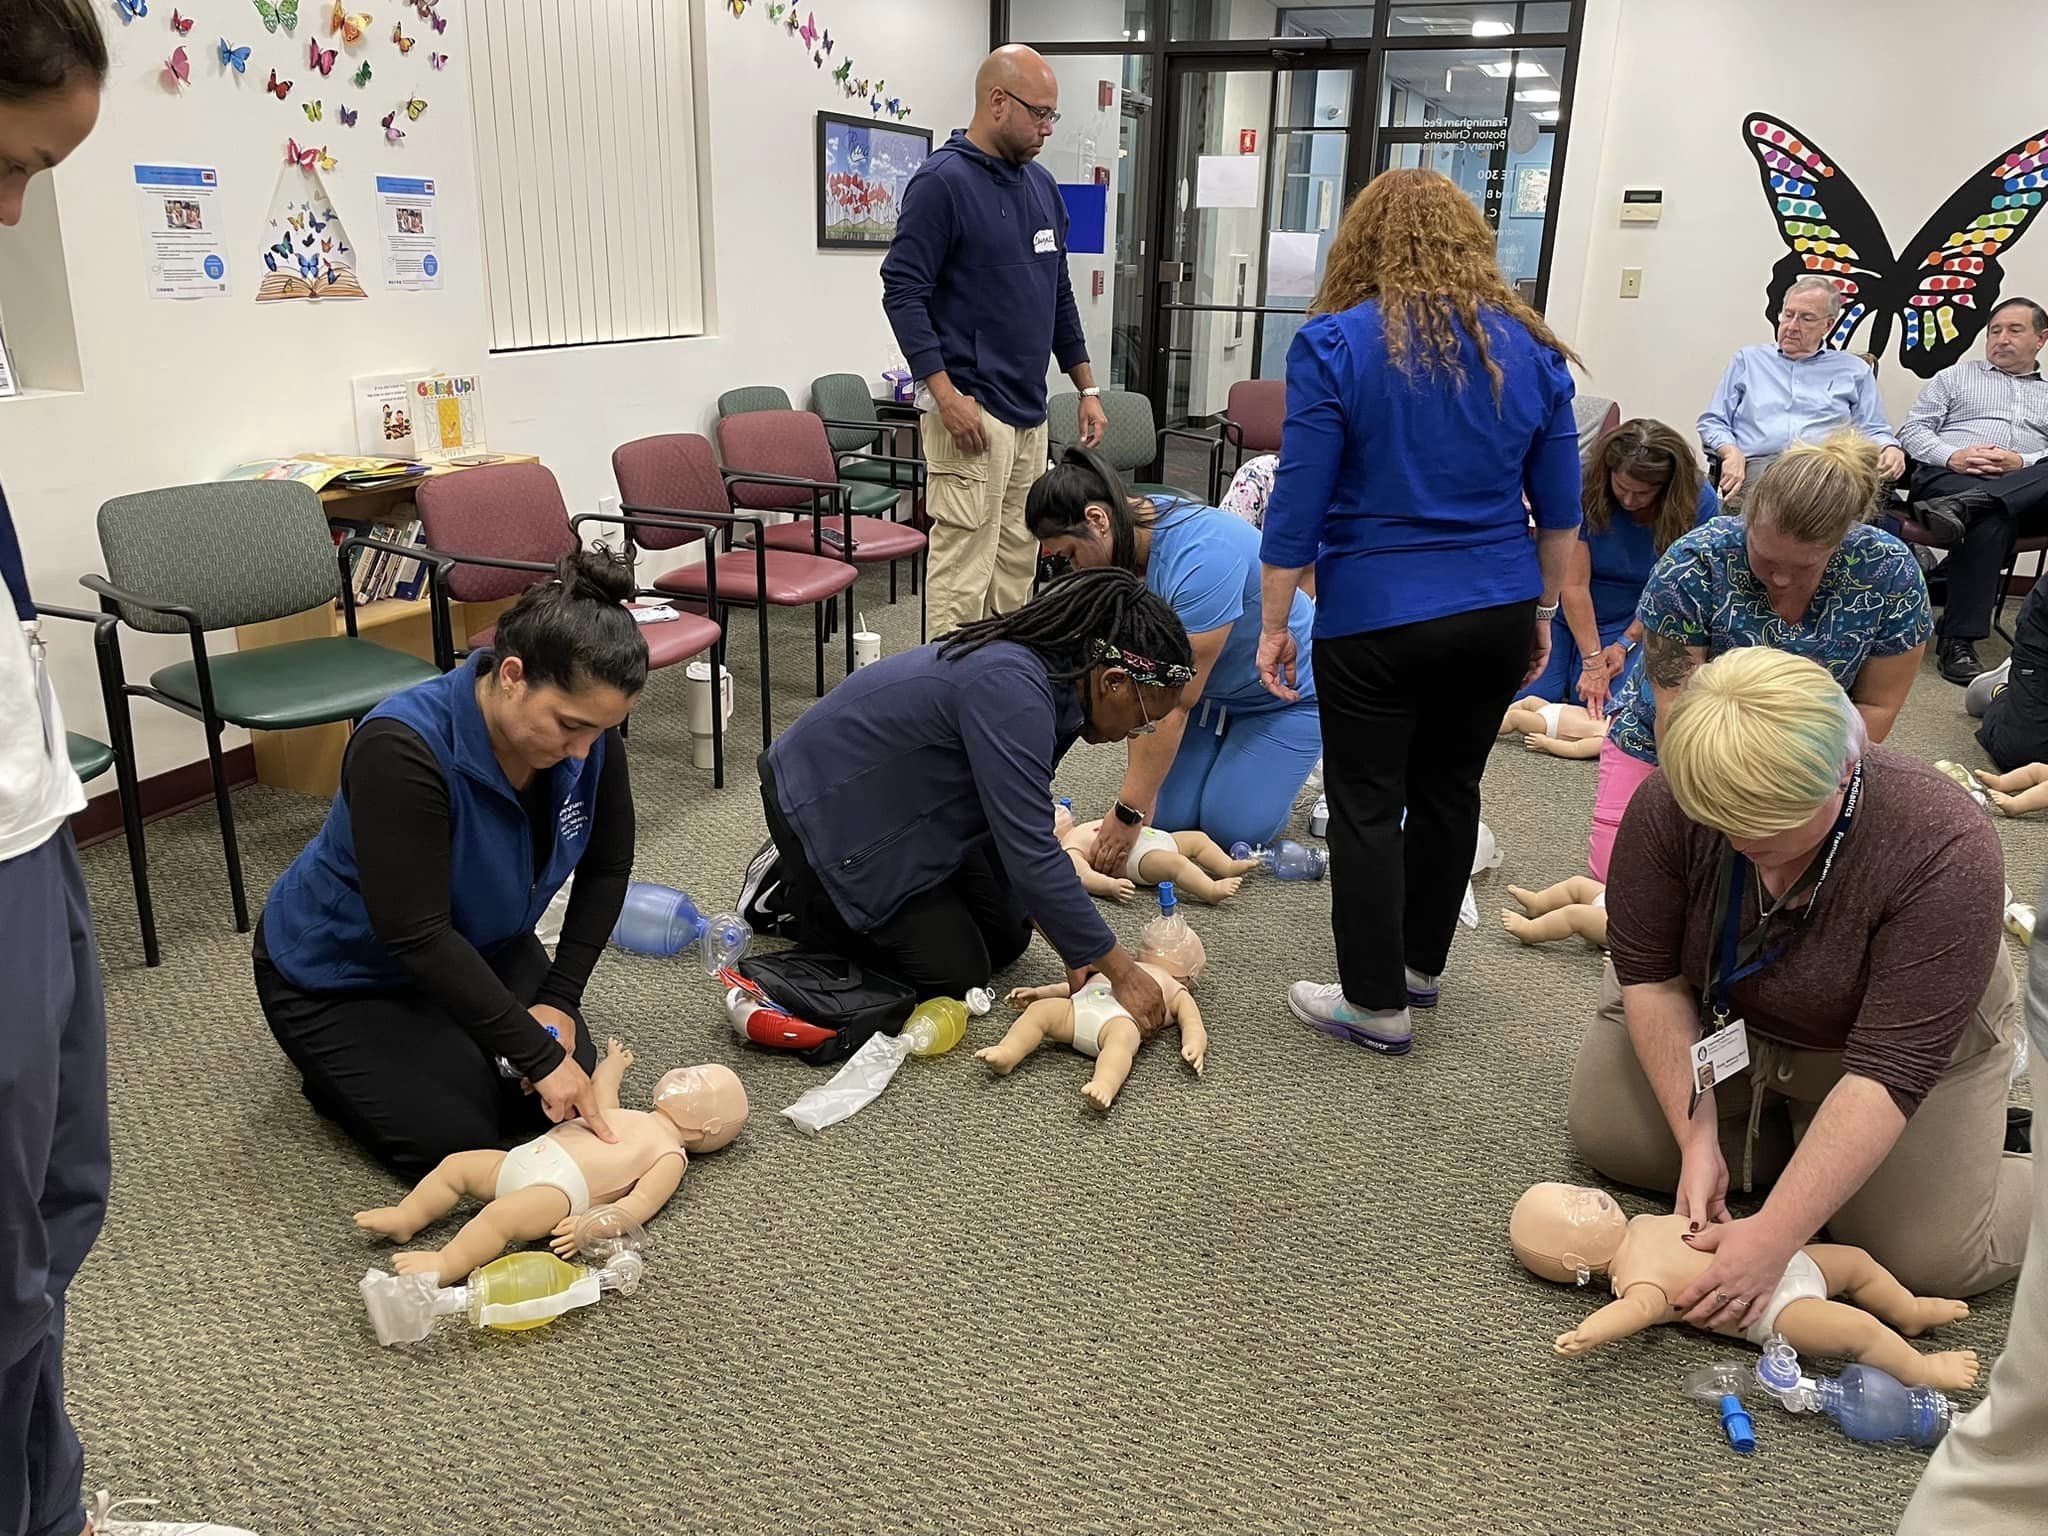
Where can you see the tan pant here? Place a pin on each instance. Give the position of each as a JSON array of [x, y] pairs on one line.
[[1946, 1211], [1990, 1476], [982, 556]]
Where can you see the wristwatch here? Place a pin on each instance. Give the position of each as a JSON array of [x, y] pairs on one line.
[[1545, 614], [1127, 816], [1093, 391]]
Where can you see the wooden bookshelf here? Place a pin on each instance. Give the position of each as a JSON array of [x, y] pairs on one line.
[[309, 761]]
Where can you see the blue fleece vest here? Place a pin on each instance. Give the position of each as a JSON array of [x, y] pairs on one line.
[[315, 926]]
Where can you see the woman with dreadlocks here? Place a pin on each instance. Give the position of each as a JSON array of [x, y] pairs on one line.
[[1425, 402], [910, 810]]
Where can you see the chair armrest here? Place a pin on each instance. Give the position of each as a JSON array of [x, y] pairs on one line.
[[906, 411], [82, 616], [872, 428], [733, 477], [109, 593], [436, 565], [669, 517], [911, 475]]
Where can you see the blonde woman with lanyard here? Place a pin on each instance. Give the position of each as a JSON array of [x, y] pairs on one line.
[[1806, 982]]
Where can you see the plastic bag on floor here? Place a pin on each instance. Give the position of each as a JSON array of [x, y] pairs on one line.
[[853, 1087], [1486, 855]]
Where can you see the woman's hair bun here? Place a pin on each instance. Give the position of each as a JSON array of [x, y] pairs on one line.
[[596, 575]]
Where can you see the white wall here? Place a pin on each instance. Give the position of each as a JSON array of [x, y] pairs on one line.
[[1660, 101], [176, 393]]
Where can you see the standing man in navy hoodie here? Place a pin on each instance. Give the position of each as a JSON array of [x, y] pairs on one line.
[[976, 289]]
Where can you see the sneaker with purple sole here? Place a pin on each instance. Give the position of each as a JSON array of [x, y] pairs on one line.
[[1322, 1006], [1421, 989]]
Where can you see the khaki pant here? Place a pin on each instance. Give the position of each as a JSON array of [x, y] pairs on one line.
[[1946, 1211], [982, 556]]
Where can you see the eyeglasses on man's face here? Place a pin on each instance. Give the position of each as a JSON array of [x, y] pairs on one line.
[[1038, 114]]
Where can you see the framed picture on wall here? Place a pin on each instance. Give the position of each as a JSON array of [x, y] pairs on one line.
[[1530, 196], [863, 167]]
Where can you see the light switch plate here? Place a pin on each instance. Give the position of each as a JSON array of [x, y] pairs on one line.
[[1631, 282]]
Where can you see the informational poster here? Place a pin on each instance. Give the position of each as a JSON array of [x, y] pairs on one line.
[[1227, 181], [9, 385], [1291, 264], [412, 233], [183, 250]]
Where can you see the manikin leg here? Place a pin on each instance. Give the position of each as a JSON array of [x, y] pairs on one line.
[[1208, 853], [1120, 1042], [462, 1174], [1188, 877], [524, 1216], [1050, 1018], [2018, 793]]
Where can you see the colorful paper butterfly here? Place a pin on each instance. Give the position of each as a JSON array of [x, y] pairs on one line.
[[362, 76], [313, 110], [350, 24], [330, 274], [844, 71], [826, 46], [414, 107], [304, 159], [739, 7], [327, 161], [398, 36], [278, 13], [279, 88], [439, 60], [775, 11], [182, 25], [326, 245], [130, 9], [178, 68], [1941, 286], [320, 58], [309, 267], [236, 59], [314, 219], [440, 24], [296, 220], [348, 116], [283, 247], [808, 31], [793, 23], [392, 132], [897, 108], [425, 8]]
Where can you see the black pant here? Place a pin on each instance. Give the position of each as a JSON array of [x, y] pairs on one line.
[[939, 943], [401, 1076], [1973, 566], [1409, 715]]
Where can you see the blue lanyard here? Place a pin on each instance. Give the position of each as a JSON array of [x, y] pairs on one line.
[[1741, 955], [12, 568]]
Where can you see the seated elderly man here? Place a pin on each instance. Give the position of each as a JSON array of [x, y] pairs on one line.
[[1794, 390], [1978, 437], [1827, 935]]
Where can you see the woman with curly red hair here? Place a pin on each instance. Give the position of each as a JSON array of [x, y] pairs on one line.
[[1424, 400]]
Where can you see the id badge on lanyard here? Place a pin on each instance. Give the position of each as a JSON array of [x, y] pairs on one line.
[[46, 694], [1722, 1051]]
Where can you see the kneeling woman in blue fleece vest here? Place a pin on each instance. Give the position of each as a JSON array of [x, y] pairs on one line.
[[396, 960], [912, 806]]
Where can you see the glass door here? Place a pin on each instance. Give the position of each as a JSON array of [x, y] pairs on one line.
[[1261, 161]]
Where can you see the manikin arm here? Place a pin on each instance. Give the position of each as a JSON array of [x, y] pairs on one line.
[[610, 1073], [1643, 1307], [646, 1197], [1113, 887], [1019, 997], [1194, 1037]]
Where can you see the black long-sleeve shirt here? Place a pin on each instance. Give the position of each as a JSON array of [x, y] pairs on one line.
[[398, 810]]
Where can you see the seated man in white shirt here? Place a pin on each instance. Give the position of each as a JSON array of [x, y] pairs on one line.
[[1794, 390], [1978, 437]]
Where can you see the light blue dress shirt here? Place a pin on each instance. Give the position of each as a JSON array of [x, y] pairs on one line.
[[1767, 401]]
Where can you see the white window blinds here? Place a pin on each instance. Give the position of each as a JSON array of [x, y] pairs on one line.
[[586, 153]]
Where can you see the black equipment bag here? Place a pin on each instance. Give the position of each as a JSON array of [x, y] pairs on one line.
[[833, 993]]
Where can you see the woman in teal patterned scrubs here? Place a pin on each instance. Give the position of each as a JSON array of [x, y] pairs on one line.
[[1800, 571]]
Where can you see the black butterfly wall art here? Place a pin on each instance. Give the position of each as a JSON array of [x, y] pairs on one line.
[[1942, 285]]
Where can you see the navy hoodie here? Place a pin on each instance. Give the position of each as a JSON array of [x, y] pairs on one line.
[[975, 282]]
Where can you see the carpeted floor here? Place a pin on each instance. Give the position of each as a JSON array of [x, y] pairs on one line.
[[1277, 1299]]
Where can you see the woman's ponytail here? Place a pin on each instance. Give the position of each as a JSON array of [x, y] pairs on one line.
[[575, 630]]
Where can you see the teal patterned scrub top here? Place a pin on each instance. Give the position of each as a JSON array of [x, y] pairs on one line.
[[1871, 601]]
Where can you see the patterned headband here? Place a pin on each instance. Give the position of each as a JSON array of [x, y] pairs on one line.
[[1154, 674]]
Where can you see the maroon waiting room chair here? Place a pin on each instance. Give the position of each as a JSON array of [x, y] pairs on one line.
[[674, 496], [500, 526]]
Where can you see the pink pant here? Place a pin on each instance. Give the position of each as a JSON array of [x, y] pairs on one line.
[[1620, 777]]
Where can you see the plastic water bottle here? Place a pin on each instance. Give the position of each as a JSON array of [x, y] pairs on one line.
[[1871, 1405], [939, 1023], [1319, 818], [1286, 859], [724, 940], [1720, 1388], [656, 920], [1168, 942]]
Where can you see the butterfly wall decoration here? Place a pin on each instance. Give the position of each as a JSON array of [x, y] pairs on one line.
[[348, 116], [178, 68], [414, 107], [279, 88], [304, 159], [181, 24], [1941, 287], [129, 10], [440, 24], [398, 36], [425, 9], [438, 60], [320, 58], [236, 59], [350, 24], [362, 76], [392, 132], [313, 110], [283, 14]]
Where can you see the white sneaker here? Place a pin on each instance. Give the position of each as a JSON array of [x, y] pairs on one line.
[[1323, 1006], [101, 1513]]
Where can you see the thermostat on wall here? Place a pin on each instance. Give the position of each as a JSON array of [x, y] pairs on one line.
[[1642, 205]]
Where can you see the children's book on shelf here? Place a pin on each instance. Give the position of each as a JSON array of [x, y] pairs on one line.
[[321, 470], [376, 574], [429, 416]]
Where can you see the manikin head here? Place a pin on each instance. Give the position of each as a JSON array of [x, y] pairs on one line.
[[707, 1103], [1566, 1232]]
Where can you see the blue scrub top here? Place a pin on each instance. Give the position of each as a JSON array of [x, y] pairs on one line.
[[1205, 563], [1624, 556]]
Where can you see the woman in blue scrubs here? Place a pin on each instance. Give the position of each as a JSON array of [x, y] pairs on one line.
[[1232, 759], [1643, 491]]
